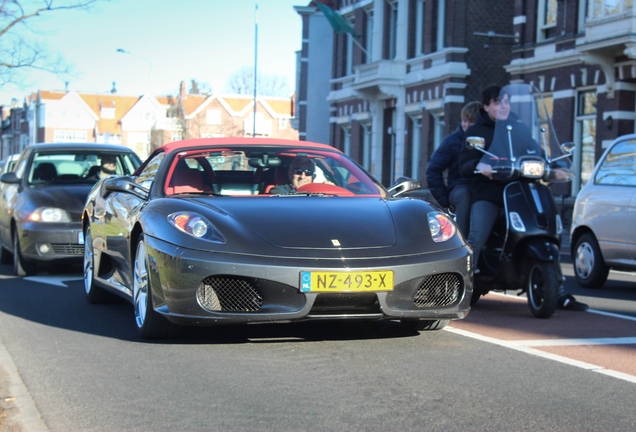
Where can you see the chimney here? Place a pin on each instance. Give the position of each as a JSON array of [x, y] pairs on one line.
[[113, 90], [182, 90]]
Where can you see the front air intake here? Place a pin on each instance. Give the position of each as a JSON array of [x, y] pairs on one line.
[[439, 290], [228, 294]]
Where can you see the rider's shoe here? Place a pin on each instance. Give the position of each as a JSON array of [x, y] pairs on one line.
[[568, 302]]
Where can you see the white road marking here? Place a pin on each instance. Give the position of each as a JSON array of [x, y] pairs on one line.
[[54, 280], [575, 342], [528, 350]]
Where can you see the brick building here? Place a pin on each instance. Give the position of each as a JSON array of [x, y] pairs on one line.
[[140, 123], [398, 91], [582, 55]]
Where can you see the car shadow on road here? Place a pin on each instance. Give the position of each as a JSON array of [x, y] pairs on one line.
[[67, 308]]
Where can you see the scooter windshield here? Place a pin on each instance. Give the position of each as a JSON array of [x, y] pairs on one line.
[[524, 138]]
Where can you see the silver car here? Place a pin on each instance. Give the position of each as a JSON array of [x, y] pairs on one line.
[[602, 234]]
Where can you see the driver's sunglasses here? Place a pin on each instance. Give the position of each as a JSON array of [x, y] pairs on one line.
[[299, 171]]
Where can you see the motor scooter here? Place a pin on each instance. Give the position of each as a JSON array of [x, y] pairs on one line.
[[522, 251]]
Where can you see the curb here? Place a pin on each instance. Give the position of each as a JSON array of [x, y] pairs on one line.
[[28, 418]]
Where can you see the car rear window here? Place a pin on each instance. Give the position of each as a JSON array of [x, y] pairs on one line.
[[619, 166]]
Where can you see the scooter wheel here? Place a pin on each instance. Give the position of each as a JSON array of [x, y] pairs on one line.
[[542, 287]]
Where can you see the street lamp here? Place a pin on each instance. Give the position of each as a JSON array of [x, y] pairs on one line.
[[123, 51]]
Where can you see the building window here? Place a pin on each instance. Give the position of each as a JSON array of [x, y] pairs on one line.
[[69, 136], [349, 70], [393, 18], [603, 8], [585, 134], [369, 37], [441, 24], [420, 16], [583, 5], [213, 117], [547, 18]]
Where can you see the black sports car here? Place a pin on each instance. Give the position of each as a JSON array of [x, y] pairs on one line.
[[41, 201], [249, 230]]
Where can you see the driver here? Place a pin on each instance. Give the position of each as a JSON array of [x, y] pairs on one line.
[[108, 166], [301, 171], [488, 195]]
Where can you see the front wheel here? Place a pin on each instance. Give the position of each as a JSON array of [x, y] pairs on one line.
[[589, 268], [150, 324], [21, 267], [94, 294], [424, 325], [542, 286]]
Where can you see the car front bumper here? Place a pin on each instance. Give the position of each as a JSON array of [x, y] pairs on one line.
[[178, 277], [46, 242]]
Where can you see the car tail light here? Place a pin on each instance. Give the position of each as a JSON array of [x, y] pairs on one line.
[[442, 228]]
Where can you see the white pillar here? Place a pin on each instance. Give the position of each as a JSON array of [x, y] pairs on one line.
[[378, 26], [376, 140]]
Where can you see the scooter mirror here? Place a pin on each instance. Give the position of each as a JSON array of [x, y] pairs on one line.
[[568, 147], [474, 142]]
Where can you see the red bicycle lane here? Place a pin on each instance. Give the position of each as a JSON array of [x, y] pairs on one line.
[[593, 340]]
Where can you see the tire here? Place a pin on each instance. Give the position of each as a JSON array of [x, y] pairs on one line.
[[21, 267], [542, 287], [424, 325], [589, 268], [475, 298], [150, 324], [94, 293]]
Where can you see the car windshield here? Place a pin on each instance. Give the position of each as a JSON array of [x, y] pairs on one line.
[[242, 171], [78, 166]]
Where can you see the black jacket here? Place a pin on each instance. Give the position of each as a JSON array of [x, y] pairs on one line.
[[446, 157], [485, 189]]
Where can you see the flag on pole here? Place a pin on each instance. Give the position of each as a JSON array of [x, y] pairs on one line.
[[339, 24]]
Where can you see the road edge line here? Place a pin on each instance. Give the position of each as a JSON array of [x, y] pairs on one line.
[[546, 355], [28, 418]]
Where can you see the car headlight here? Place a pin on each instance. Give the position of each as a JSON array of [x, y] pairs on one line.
[[442, 228], [196, 226], [532, 169], [49, 214]]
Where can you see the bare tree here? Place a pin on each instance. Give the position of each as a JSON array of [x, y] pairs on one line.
[[19, 47], [200, 87], [242, 82]]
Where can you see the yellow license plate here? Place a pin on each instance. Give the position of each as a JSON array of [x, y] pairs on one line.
[[346, 281]]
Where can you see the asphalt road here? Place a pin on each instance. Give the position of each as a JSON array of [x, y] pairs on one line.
[[83, 367]]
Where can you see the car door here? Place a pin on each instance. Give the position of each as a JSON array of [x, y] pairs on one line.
[[610, 203], [121, 210], [8, 194]]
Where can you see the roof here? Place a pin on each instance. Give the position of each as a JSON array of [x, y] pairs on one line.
[[51, 95], [79, 146], [211, 142], [237, 103], [280, 106], [192, 102], [122, 105]]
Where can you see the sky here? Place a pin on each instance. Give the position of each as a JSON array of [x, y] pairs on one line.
[[172, 41]]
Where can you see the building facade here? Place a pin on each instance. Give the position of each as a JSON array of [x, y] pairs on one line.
[[398, 89], [582, 55]]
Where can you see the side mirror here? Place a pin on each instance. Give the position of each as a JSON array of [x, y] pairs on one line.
[[404, 185], [474, 142], [567, 148], [126, 184], [9, 178]]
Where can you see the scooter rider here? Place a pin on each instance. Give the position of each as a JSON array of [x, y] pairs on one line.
[[488, 195]]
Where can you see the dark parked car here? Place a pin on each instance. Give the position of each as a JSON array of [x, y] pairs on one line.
[[41, 201], [602, 233], [219, 231]]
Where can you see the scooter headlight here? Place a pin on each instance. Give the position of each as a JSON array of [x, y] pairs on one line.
[[442, 228], [532, 169]]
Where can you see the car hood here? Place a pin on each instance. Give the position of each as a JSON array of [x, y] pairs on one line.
[[315, 222], [68, 197]]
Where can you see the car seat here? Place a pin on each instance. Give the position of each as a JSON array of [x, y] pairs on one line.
[[45, 172]]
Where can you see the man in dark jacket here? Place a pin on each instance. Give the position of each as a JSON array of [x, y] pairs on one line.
[[456, 192], [488, 194]]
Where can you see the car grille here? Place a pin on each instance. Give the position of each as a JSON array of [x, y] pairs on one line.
[[67, 249], [228, 294], [437, 290]]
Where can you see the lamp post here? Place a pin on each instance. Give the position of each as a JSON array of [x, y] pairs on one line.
[[123, 51]]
